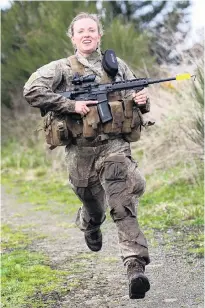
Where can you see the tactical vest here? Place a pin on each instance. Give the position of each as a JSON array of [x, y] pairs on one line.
[[126, 122]]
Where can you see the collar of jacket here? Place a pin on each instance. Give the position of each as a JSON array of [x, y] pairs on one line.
[[93, 58]]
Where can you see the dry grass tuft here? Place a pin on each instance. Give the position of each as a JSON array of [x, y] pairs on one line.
[[167, 143]]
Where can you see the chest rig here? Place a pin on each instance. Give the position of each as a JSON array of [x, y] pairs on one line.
[[126, 122]]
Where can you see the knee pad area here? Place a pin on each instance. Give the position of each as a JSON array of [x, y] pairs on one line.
[[119, 212]]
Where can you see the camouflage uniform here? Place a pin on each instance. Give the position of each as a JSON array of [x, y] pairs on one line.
[[103, 173]]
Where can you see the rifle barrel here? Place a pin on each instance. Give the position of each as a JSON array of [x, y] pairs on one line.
[[151, 81], [177, 77]]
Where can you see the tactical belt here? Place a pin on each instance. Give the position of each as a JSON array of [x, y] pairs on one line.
[[88, 143], [83, 142]]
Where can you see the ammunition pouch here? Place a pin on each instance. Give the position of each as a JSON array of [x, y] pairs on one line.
[[90, 123], [127, 121], [136, 125], [115, 126], [128, 113], [56, 131]]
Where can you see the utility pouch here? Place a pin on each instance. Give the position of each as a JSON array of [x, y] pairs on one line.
[[136, 124], [128, 113], [90, 123], [75, 124], [115, 126], [56, 130]]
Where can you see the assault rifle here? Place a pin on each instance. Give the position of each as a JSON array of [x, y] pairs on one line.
[[85, 88]]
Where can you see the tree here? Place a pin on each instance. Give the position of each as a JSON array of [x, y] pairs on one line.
[[166, 23], [33, 34], [129, 44]]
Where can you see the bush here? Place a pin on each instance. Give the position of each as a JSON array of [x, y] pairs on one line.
[[198, 89]]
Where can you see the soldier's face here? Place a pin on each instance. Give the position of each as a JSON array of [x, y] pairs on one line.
[[85, 36]]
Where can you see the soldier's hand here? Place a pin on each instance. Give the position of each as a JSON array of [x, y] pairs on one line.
[[140, 97], [82, 108]]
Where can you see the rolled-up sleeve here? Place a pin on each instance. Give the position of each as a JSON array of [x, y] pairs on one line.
[[39, 89]]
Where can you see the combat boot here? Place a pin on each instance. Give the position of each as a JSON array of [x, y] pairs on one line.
[[93, 239], [138, 282]]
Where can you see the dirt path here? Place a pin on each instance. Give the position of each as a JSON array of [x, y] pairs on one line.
[[176, 279]]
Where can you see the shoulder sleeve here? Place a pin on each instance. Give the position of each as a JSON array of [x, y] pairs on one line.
[[127, 74], [40, 87], [124, 68]]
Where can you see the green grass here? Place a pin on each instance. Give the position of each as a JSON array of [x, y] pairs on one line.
[[25, 273], [45, 193], [172, 204], [175, 201], [196, 243], [22, 156], [189, 241], [12, 239], [18, 237]]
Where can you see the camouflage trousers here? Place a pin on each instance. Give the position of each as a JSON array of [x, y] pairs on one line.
[[107, 176]]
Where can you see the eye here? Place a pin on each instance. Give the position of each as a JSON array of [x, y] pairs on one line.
[[92, 30]]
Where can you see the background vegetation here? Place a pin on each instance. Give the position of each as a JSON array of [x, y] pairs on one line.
[[147, 35]]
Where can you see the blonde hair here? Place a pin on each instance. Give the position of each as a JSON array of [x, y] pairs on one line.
[[82, 15]]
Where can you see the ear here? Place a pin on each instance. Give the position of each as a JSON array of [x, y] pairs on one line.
[[99, 38], [73, 40]]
